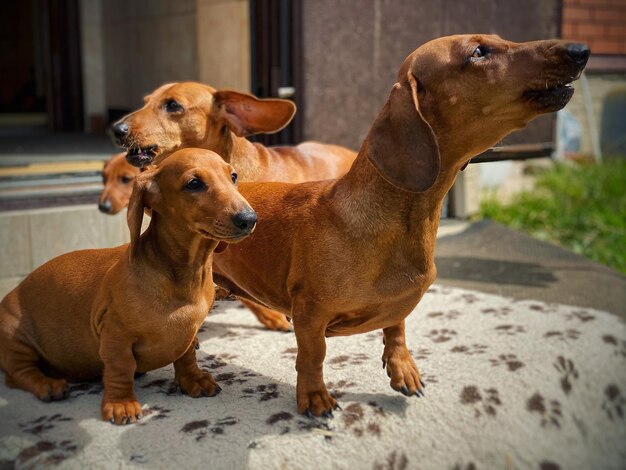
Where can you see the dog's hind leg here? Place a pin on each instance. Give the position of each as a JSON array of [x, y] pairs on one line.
[[21, 365]]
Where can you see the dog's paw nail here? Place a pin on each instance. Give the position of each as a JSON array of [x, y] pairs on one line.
[[197, 346], [218, 390], [328, 414], [138, 416], [338, 407], [422, 384], [308, 413], [384, 363], [404, 390]]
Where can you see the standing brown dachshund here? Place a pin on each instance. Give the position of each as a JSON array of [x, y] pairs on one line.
[[188, 114], [113, 312], [356, 254], [117, 178]]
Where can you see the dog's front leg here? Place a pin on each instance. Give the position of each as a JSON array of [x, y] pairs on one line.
[[119, 404], [401, 368], [311, 393], [194, 381]]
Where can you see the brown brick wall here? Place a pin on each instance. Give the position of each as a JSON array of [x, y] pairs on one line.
[[601, 24]]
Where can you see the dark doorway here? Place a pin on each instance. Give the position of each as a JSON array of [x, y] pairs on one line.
[[276, 67], [40, 70]]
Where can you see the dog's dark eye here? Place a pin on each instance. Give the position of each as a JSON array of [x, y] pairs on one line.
[[173, 106], [126, 179], [479, 53], [194, 185], [233, 177]]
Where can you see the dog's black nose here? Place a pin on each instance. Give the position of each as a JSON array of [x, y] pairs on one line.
[[579, 53], [105, 206], [120, 129], [245, 220]]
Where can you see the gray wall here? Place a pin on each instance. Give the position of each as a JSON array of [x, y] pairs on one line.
[[147, 43], [353, 49]]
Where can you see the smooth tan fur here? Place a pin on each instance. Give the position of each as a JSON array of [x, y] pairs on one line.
[[219, 120], [113, 312], [356, 254], [117, 178]]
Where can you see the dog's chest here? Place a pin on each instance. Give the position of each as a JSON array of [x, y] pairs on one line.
[[168, 339]]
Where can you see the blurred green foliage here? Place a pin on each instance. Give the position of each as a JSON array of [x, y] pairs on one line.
[[581, 207]]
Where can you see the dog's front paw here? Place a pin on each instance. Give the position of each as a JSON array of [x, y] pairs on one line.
[[316, 403], [199, 384], [405, 378], [123, 412]]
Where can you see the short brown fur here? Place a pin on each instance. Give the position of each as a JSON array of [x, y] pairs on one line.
[[219, 120], [356, 254], [113, 312]]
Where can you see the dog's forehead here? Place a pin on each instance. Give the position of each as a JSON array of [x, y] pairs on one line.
[[188, 161], [184, 92]]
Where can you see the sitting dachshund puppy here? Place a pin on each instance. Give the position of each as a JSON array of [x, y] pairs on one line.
[[117, 178], [115, 312]]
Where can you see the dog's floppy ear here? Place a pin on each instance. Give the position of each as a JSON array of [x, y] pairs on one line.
[[136, 206], [248, 115], [401, 144]]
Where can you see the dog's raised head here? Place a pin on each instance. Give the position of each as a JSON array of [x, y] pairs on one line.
[[193, 191], [190, 114], [117, 177], [457, 96]]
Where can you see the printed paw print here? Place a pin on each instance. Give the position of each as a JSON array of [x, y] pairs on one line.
[[510, 330], [43, 423], [451, 315], [441, 336], [488, 401], [550, 413], [496, 312], [620, 346], [563, 335], [582, 315], [510, 360], [568, 370], [470, 350], [336, 389], [615, 403]]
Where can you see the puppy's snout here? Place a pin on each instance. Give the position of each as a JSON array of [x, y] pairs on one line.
[[245, 220], [578, 53], [105, 206], [120, 129]]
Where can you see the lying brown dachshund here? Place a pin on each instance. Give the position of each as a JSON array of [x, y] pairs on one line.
[[117, 178], [113, 312], [189, 114], [356, 254]]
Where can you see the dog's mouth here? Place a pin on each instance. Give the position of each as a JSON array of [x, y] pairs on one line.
[[225, 238], [550, 99], [141, 156]]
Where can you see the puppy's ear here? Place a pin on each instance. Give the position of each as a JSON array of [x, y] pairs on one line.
[[401, 144], [143, 183], [248, 115]]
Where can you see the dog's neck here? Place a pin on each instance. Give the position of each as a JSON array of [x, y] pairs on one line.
[[181, 255], [370, 203]]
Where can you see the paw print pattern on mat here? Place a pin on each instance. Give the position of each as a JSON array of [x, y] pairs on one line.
[[510, 330], [550, 413], [566, 335], [614, 404], [510, 360], [471, 395], [441, 336], [568, 372], [470, 350]]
